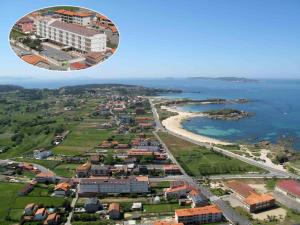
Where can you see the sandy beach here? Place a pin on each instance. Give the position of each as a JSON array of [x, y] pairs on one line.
[[173, 124]]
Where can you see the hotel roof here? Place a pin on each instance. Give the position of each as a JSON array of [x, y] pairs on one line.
[[290, 186], [75, 28], [242, 189], [213, 209], [255, 198], [33, 59], [72, 13]]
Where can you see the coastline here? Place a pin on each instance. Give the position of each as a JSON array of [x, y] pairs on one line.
[[173, 124]]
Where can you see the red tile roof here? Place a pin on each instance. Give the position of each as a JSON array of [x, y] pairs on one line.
[[213, 209], [255, 198], [114, 206], [242, 189], [33, 59], [72, 13], [78, 66], [290, 186]]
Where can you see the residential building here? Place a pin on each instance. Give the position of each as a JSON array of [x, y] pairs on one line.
[[252, 200], [290, 188], [62, 189], [93, 58], [81, 18], [172, 169], [92, 205], [52, 219], [73, 35], [36, 61], [201, 215], [44, 177], [114, 211], [83, 170], [40, 214], [30, 209], [93, 186], [41, 153], [100, 170], [25, 25]]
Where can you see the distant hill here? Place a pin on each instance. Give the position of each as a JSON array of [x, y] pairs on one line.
[[229, 79], [8, 87]]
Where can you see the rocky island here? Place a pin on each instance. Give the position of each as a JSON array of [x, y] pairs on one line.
[[227, 114]]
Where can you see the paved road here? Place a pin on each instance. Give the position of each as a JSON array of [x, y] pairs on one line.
[[273, 171], [74, 200], [228, 212]]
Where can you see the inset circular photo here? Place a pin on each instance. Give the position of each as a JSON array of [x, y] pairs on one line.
[[64, 38]]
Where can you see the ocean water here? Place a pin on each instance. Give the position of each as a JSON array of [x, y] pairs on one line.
[[276, 104]]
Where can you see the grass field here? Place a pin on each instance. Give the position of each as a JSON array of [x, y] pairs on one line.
[[200, 161], [83, 137], [157, 208], [12, 205], [65, 170]]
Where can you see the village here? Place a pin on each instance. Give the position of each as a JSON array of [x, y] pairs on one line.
[[127, 175]]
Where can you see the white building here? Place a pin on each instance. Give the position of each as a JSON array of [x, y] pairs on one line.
[[72, 35], [41, 153], [139, 184]]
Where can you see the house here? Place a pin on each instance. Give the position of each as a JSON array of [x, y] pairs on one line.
[[137, 206], [40, 214], [145, 125], [62, 189], [121, 146], [178, 191], [44, 177], [100, 170], [290, 188], [197, 198], [26, 189], [42, 153], [80, 18], [78, 66], [25, 25], [36, 61], [95, 158], [52, 219], [93, 58], [30, 209], [83, 170], [140, 111], [172, 169], [92, 205], [114, 211], [252, 201], [106, 185], [201, 215], [125, 119]]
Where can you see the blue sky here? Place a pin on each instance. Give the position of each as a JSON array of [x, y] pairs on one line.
[[175, 38]]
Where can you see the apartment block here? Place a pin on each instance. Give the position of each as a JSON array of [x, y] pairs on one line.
[[73, 35]]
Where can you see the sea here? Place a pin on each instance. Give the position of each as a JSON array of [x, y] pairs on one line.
[[275, 104]]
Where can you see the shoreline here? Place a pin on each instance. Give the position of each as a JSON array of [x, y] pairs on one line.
[[173, 124]]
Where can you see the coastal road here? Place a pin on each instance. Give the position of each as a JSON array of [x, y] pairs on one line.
[[273, 171], [228, 212]]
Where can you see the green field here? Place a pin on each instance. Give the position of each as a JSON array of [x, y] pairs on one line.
[[157, 208], [12, 205], [200, 161], [65, 170]]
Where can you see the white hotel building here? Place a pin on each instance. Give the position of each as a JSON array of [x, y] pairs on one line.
[[92, 186], [73, 35]]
